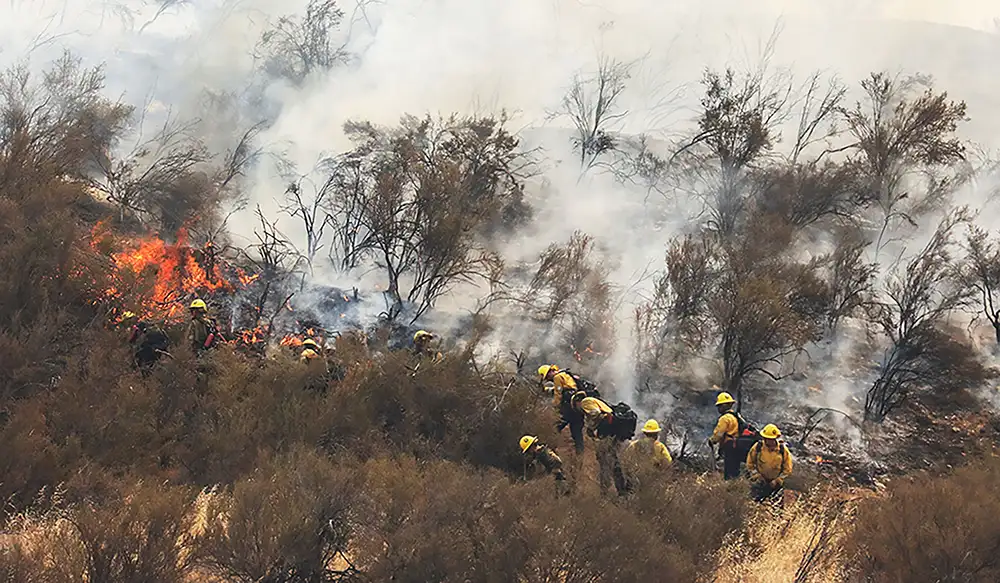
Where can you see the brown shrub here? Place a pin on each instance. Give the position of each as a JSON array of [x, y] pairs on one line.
[[932, 529], [140, 536], [444, 410], [441, 521], [692, 514], [288, 521]]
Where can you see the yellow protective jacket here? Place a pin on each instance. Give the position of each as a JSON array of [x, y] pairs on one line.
[[726, 429], [197, 332], [595, 412], [561, 381], [769, 464], [308, 354], [650, 448]]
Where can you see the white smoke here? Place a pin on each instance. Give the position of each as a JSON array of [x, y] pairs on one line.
[[465, 56]]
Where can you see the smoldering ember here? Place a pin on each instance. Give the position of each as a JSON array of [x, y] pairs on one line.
[[502, 291]]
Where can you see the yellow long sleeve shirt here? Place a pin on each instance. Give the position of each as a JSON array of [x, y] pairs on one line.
[[594, 412], [727, 428], [561, 381], [769, 464], [651, 448]]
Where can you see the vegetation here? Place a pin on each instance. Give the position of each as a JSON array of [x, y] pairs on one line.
[[242, 465]]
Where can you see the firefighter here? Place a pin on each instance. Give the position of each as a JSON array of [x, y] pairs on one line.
[[310, 351], [769, 463], [150, 344], [727, 429], [598, 419], [564, 385], [536, 452], [202, 332], [645, 456], [422, 346], [649, 446]]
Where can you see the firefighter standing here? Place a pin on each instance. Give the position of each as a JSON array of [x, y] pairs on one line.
[[562, 383], [202, 333], [649, 446], [769, 462], [150, 344], [422, 346], [726, 431]]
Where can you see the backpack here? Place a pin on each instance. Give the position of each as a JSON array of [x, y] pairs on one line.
[[589, 388], [746, 434], [624, 421]]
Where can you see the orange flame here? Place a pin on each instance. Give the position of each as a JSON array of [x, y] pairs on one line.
[[176, 269], [295, 340]]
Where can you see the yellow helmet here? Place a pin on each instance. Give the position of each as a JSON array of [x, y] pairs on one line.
[[128, 314], [770, 431], [198, 304], [724, 398], [310, 343], [543, 370], [422, 334], [527, 441], [651, 426]]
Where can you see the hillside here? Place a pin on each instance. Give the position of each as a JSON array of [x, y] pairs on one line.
[[214, 364]]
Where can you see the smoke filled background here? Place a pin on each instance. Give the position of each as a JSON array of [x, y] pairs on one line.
[[200, 63]]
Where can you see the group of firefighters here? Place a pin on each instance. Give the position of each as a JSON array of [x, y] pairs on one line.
[[767, 459], [580, 407]]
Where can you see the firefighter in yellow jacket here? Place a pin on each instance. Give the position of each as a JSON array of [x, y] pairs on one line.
[[727, 429], [563, 383], [769, 463], [598, 421], [649, 446], [310, 351], [645, 456], [202, 332]]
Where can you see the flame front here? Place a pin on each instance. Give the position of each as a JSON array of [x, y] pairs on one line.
[[175, 269]]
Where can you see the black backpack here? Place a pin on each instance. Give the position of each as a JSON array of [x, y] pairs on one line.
[[625, 421], [587, 387]]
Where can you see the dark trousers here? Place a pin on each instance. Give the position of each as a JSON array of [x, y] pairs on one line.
[[731, 461], [575, 421]]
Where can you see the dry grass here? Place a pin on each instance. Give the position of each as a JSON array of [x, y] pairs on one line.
[[803, 542]]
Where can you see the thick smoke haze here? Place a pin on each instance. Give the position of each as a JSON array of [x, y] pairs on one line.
[[519, 56]]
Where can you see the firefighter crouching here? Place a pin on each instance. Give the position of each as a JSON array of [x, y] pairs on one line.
[[769, 463], [150, 344], [537, 454], [649, 447]]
